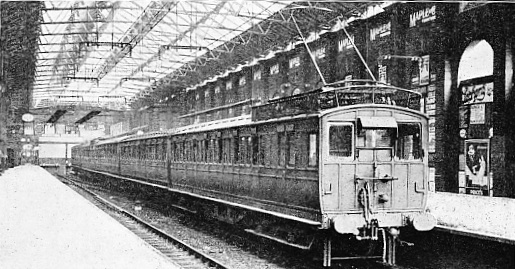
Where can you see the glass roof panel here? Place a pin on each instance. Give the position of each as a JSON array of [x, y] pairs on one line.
[[124, 47]]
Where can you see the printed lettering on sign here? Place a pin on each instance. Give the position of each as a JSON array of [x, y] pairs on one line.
[[257, 75], [294, 62], [274, 69], [345, 43], [320, 53], [382, 73], [480, 93], [382, 30], [423, 15], [477, 114]]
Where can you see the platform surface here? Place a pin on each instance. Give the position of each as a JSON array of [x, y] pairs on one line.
[[45, 224], [479, 216]]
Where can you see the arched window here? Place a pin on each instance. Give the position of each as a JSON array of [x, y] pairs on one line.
[[477, 61]]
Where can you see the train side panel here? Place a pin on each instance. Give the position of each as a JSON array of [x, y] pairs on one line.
[[252, 166]]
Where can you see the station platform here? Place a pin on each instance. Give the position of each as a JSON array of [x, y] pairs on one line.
[[482, 217], [45, 224]]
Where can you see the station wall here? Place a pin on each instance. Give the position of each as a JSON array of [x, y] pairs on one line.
[[418, 46]]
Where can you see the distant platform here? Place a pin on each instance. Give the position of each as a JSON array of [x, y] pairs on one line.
[[484, 217], [45, 224]]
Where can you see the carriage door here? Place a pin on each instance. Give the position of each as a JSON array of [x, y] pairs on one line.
[[337, 165]]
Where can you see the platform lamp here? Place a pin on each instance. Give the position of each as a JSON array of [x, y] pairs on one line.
[[29, 119]]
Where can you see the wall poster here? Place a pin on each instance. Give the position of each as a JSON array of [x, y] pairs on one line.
[[477, 114], [477, 93], [424, 70], [431, 111], [477, 166]]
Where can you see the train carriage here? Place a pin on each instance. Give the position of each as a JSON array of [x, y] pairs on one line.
[[347, 159]]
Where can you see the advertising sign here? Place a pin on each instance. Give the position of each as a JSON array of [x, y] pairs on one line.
[[477, 114], [477, 93], [424, 70], [477, 167]]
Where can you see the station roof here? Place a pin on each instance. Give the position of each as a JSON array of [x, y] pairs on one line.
[[122, 54]]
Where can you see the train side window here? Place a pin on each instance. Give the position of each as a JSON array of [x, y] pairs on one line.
[[162, 152], [201, 151], [267, 156], [284, 148], [255, 149], [191, 149], [225, 150], [219, 150], [205, 150], [186, 156], [249, 150], [313, 150], [243, 150], [409, 146], [195, 151], [178, 151], [173, 151], [210, 151], [236, 149], [152, 150], [292, 149], [261, 150], [340, 140]]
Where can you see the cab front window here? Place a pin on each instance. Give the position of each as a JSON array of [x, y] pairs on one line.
[[340, 140], [376, 138], [409, 143]]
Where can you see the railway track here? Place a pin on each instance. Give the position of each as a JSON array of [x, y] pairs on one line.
[[175, 249], [235, 248]]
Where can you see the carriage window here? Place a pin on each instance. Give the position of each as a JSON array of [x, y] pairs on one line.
[[290, 143], [249, 150], [340, 140], [282, 147], [409, 145], [261, 150], [219, 150], [255, 150], [376, 138], [313, 158]]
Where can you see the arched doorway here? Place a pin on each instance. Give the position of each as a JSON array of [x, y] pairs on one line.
[[476, 86]]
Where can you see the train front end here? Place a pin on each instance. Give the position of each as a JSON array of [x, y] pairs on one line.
[[374, 168]]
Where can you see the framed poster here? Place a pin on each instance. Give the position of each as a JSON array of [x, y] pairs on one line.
[[424, 70], [477, 114], [477, 166]]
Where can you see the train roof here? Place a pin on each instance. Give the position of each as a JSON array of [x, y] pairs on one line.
[[339, 94], [150, 135], [347, 93], [110, 140]]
